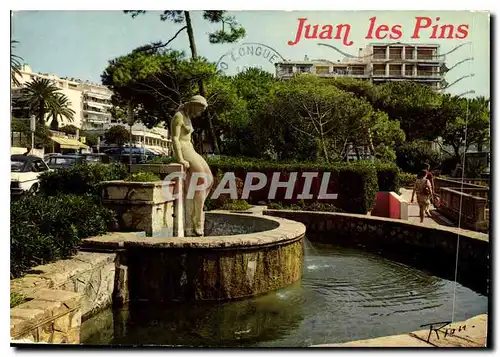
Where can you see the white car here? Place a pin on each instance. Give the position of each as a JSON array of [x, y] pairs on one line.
[[24, 173]]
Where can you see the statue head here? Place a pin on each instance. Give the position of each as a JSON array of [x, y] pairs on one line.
[[196, 105]]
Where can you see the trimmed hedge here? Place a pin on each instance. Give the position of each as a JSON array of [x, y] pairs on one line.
[[406, 179], [388, 177], [143, 177], [47, 228], [303, 206], [80, 179], [356, 183]]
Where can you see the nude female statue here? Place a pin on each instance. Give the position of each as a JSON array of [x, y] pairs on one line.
[[197, 170]]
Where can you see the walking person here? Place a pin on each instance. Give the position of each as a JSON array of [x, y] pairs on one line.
[[429, 176], [423, 189]]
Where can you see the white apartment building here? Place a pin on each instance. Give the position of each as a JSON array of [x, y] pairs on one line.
[[90, 101], [96, 105], [69, 88], [377, 63]]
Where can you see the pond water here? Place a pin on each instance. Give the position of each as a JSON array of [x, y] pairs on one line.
[[345, 294]]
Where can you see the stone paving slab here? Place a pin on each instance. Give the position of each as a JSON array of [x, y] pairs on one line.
[[469, 333]]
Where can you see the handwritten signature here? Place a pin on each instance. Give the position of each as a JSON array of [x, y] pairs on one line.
[[441, 326]]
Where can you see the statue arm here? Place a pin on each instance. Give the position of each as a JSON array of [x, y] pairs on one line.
[[176, 134]]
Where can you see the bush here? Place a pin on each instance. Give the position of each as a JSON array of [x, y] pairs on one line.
[[160, 160], [356, 182], [411, 157], [80, 179], [224, 200], [388, 177], [303, 206], [16, 299], [236, 205], [143, 177], [47, 228], [406, 179]]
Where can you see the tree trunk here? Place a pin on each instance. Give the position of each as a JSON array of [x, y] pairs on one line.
[[192, 44], [370, 141], [356, 149], [325, 152], [194, 54], [41, 113], [54, 124]]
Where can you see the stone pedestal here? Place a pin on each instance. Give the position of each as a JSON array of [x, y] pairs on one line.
[[142, 206]]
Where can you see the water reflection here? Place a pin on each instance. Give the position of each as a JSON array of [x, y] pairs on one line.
[[345, 294]]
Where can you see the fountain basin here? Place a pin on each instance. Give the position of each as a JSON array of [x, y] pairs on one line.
[[241, 256]]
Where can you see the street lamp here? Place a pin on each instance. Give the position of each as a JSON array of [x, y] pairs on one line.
[[32, 129], [130, 115]]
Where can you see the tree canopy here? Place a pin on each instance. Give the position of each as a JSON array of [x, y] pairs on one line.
[[117, 134]]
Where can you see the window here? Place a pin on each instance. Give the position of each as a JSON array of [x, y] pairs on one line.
[[40, 165], [16, 166], [322, 69]]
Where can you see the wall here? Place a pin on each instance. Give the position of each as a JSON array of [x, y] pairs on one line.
[[430, 248], [90, 274], [398, 207], [390, 205], [20, 151], [50, 316], [381, 207], [181, 275]]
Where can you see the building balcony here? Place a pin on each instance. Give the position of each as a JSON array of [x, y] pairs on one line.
[[284, 74], [97, 119], [90, 102], [424, 75], [96, 112], [425, 58], [343, 74]]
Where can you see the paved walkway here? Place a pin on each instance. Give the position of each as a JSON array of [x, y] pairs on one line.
[[436, 218], [413, 210]]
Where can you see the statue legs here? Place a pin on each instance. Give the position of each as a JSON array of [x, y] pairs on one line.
[[194, 215]]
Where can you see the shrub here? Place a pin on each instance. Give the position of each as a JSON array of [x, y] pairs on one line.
[[356, 183], [411, 157], [143, 177], [224, 200], [160, 160], [236, 205], [80, 179], [16, 299], [406, 179], [47, 228], [388, 177], [303, 206]]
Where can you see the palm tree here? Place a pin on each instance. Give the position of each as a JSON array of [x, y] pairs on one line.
[[40, 96], [60, 107], [15, 64]]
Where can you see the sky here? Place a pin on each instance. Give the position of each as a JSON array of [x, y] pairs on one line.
[[80, 43]]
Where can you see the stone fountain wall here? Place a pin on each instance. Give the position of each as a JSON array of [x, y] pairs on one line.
[[169, 269], [211, 274], [433, 248]]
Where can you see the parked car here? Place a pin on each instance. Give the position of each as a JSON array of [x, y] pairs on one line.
[[46, 157], [139, 155], [24, 173], [65, 161], [93, 158]]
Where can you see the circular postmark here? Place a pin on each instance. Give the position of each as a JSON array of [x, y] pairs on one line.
[[249, 55]]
